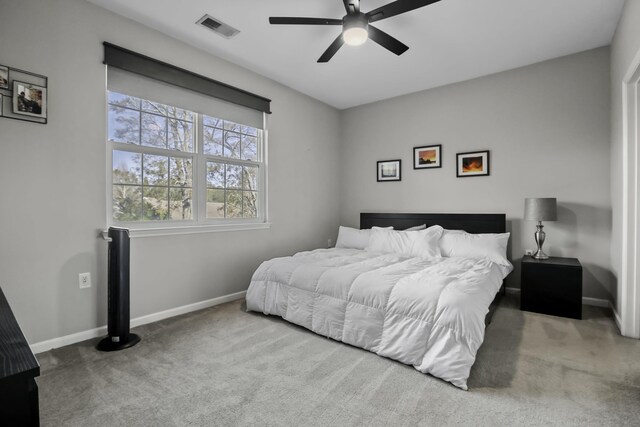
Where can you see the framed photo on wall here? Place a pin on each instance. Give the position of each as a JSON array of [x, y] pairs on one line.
[[427, 157], [29, 99], [475, 163], [389, 170], [4, 77]]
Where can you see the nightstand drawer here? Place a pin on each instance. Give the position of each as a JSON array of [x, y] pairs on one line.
[[552, 286]]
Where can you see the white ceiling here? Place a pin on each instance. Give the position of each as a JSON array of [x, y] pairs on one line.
[[449, 41]]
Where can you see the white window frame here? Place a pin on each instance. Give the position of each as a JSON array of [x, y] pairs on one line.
[[200, 223]]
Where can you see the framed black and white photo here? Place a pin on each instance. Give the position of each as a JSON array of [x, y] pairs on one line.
[[474, 163], [427, 157], [4, 77], [389, 170], [29, 99]]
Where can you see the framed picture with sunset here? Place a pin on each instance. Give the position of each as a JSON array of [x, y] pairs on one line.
[[427, 157], [475, 163]]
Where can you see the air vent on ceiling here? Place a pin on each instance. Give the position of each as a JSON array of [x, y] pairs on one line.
[[217, 26]]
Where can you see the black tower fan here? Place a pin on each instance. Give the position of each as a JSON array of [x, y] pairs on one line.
[[118, 337]]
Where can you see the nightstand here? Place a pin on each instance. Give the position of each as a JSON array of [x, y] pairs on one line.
[[552, 286]]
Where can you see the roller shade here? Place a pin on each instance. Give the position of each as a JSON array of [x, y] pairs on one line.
[[138, 75], [157, 91]]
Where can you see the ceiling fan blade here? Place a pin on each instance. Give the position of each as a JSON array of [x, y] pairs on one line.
[[352, 6], [386, 41], [304, 21], [328, 54], [396, 8]]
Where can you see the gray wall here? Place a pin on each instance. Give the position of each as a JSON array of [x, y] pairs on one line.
[[547, 126], [53, 177], [625, 45]]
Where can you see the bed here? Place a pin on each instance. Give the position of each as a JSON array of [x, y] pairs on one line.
[[426, 311]]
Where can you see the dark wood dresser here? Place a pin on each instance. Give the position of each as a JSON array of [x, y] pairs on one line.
[[18, 369]]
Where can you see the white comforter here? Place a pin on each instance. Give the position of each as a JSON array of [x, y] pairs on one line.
[[425, 313]]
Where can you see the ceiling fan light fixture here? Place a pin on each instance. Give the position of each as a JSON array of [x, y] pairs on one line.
[[355, 31], [355, 36]]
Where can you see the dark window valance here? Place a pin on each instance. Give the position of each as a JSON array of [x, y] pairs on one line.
[[116, 56]]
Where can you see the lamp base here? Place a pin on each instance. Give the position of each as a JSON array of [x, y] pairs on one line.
[[540, 236], [539, 255]]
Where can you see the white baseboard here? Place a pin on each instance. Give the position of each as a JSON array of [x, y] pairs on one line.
[[616, 316], [47, 345], [596, 302]]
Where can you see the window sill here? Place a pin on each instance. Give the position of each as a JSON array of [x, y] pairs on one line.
[[190, 229]]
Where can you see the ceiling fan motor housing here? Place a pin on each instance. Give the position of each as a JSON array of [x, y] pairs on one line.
[[356, 20]]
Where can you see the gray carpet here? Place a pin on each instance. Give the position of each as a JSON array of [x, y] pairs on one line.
[[223, 366]]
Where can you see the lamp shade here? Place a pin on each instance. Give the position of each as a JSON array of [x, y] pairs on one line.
[[541, 209]]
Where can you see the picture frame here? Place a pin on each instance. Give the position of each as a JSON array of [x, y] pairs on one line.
[[4, 77], [389, 170], [29, 99], [473, 163], [1, 104], [427, 157]]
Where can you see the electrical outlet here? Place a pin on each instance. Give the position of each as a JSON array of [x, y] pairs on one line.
[[528, 252], [84, 279], [329, 243]]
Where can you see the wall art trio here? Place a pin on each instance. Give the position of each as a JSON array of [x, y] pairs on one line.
[[474, 163]]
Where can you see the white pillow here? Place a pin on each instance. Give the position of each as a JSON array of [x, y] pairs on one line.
[[422, 243], [353, 238], [459, 243], [417, 227]]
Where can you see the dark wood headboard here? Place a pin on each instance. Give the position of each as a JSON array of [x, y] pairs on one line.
[[471, 223]]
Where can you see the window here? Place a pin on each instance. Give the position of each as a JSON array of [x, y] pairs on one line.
[[171, 165], [185, 151]]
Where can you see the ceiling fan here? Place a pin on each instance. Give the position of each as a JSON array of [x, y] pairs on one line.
[[356, 26]]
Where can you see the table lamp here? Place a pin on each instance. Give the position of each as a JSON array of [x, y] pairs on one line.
[[540, 209]]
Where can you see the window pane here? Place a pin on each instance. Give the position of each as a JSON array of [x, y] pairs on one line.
[[121, 100], [215, 203], [180, 135], [234, 204], [212, 121], [154, 130], [180, 202], [235, 127], [250, 178], [180, 172], [127, 167], [155, 203], [215, 174], [249, 130], [232, 145], [234, 176], [155, 170], [179, 113], [249, 148], [249, 204], [124, 125], [127, 203], [213, 141], [154, 107]]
